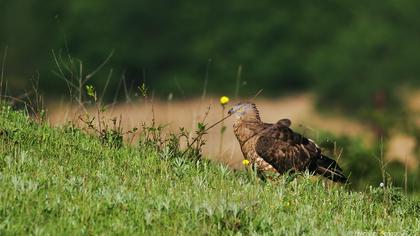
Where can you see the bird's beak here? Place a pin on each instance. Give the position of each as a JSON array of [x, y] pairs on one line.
[[230, 112]]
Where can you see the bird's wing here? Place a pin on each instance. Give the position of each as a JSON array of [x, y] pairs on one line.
[[286, 150]]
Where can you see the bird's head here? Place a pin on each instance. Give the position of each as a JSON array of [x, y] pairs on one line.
[[245, 111]]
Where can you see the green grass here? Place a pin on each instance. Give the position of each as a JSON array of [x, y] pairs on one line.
[[63, 181]]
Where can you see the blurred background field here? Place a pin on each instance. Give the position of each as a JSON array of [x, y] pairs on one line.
[[350, 140], [345, 72], [299, 108]]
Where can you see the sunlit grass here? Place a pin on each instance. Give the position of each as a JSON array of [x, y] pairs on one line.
[[62, 181]]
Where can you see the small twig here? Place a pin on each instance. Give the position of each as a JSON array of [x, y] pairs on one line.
[[21, 101], [127, 95], [206, 79], [258, 93], [90, 125], [90, 75], [203, 132], [2, 69], [101, 98], [206, 114], [238, 81], [222, 130], [405, 174]]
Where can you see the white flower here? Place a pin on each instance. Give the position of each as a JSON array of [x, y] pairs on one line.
[[381, 185]]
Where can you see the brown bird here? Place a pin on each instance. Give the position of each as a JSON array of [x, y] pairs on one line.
[[277, 148]]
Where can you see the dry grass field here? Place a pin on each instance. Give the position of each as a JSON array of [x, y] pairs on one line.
[[299, 108]]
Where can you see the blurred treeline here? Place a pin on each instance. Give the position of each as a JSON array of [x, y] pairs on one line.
[[354, 54]]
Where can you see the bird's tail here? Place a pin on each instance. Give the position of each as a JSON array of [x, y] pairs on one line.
[[329, 168]]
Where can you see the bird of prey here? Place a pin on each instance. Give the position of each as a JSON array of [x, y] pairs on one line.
[[277, 148]]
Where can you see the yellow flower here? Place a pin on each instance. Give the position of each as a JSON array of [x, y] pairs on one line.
[[245, 162], [224, 100]]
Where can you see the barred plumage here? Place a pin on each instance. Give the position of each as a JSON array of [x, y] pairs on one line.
[[276, 148]]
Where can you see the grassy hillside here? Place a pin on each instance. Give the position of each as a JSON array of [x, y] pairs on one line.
[[63, 181]]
